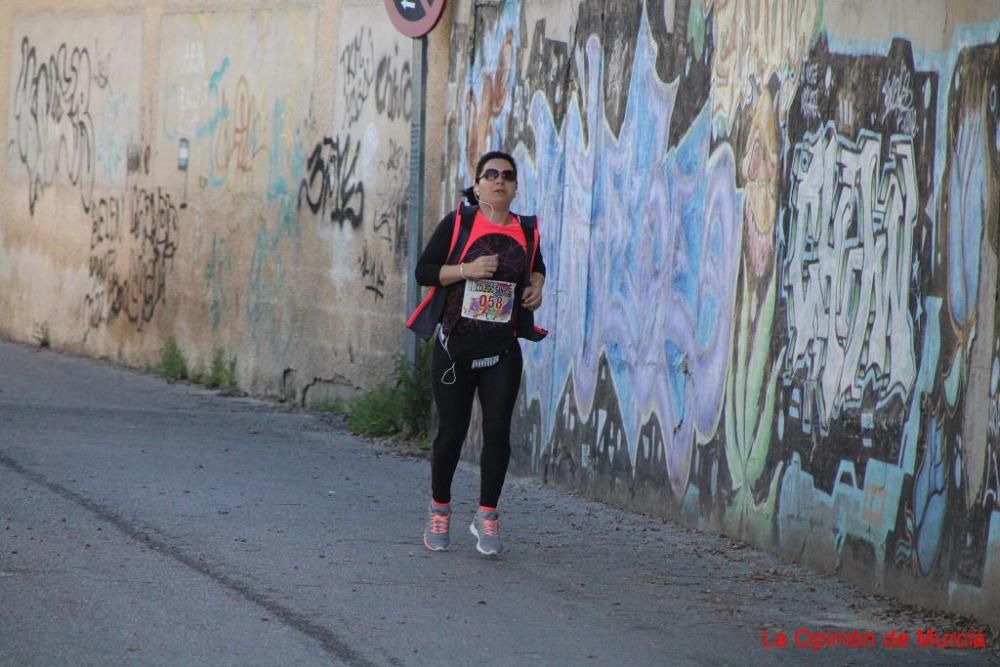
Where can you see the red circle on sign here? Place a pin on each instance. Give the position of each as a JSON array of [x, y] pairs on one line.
[[414, 18]]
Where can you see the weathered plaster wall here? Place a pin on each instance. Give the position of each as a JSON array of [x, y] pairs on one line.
[[231, 174], [772, 233]]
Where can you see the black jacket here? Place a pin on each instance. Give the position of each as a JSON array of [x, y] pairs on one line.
[[425, 318]]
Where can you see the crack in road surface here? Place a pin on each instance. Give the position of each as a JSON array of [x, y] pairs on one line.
[[331, 642]]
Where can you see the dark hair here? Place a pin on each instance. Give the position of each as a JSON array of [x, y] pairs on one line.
[[469, 193], [470, 196], [494, 155]]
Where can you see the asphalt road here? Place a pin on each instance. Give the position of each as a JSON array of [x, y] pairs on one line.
[[147, 523]]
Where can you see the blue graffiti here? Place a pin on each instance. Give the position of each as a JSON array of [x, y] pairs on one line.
[[643, 256], [930, 499], [967, 190]]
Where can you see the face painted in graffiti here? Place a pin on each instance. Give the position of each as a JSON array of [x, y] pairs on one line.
[[760, 173], [496, 184], [483, 109]]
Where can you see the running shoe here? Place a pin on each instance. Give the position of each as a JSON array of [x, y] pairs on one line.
[[436, 531], [486, 527]]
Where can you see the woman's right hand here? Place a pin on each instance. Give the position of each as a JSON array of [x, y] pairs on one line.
[[481, 267]]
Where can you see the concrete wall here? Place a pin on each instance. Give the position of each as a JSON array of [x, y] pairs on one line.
[[231, 174], [772, 233]]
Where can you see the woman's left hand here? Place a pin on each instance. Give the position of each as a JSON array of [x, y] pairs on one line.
[[531, 298]]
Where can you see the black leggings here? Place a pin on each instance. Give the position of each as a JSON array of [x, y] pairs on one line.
[[498, 386]]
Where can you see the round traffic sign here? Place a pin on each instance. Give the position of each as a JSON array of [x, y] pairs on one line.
[[414, 18]]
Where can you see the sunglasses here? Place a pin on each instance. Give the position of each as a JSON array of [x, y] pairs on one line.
[[493, 174]]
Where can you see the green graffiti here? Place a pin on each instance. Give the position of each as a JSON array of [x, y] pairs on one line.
[[217, 272], [748, 422], [697, 29]]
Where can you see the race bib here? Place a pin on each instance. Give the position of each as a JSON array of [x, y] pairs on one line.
[[488, 300]]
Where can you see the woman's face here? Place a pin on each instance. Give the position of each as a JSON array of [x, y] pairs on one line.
[[496, 183]]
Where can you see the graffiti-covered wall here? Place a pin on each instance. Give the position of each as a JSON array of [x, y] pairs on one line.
[[772, 231], [772, 241], [231, 176]]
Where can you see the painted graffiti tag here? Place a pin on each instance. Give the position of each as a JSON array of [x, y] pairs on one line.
[[897, 98], [392, 89], [236, 136], [847, 273], [53, 127], [334, 179], [105, 235], [372, 272], [357, 61], [154, 227], [136, 288], [390, 212], [137, 160], [810, 93]]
